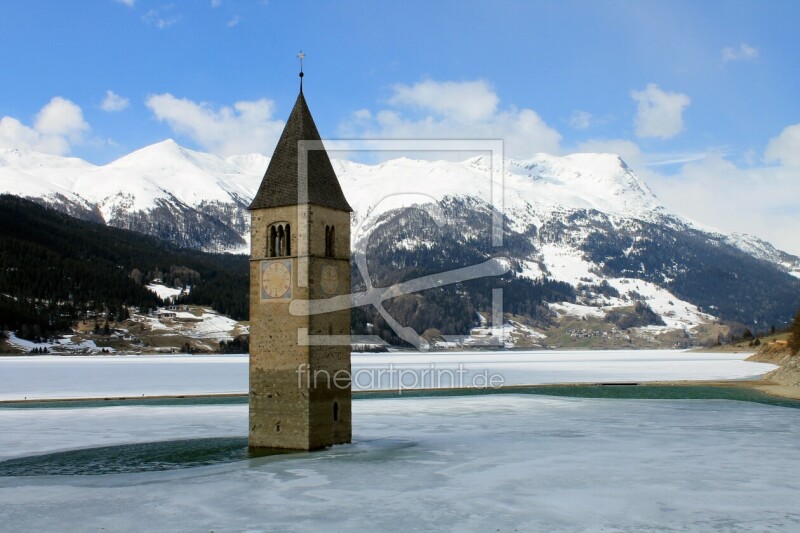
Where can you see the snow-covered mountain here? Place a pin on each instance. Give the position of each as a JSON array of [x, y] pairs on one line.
[[583, 219], [191, 198], [527, 193], [166, 177]]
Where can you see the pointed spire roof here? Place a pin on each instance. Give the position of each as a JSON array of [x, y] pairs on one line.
[[280, 184]]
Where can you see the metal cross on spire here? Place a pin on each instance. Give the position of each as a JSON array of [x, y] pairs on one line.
[[300, 56]]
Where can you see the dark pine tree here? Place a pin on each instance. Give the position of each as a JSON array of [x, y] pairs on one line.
[[794, 334]]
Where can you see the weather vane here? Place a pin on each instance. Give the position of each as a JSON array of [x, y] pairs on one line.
[[300, 56]]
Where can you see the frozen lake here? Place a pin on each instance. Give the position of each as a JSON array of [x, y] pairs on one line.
[[480, 463], [123, 376], [470, 463]]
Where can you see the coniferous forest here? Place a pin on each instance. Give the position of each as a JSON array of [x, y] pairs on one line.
[[55, 269]]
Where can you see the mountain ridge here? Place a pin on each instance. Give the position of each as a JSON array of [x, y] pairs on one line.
[[169, 172], [586, 220]]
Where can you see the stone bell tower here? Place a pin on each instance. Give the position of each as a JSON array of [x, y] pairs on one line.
[[300, 250]]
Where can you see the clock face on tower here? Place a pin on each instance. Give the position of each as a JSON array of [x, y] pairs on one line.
[[330, 279], [276, 280]]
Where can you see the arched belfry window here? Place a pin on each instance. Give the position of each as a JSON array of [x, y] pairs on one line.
[[330, 237], [335, 411], [280, 240], [273, 241]]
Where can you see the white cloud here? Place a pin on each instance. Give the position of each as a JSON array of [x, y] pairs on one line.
[[659, 113], [129, 3], [162, 17], [454, 110], [715, 192], [216, 3], [580, 120], [785, 148], [629, 151], [244, 128], [741, 53], [15, 134], [661, 160], [234, 21], [468, 101], [61, 117], [57, 126], [114, 102]]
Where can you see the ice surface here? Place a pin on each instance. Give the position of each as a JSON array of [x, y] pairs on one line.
[[485, 463], [114, 376], [103, 376]]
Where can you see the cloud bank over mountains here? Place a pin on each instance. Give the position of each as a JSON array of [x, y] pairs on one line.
[[55, 128], [246, 127], [453, 110]]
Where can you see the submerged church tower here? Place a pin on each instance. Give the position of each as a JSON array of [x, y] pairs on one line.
[[299, 250]]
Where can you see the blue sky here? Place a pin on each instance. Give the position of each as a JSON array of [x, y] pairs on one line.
[[701, 98]]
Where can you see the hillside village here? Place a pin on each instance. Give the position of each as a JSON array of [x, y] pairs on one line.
[[183, 328]]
